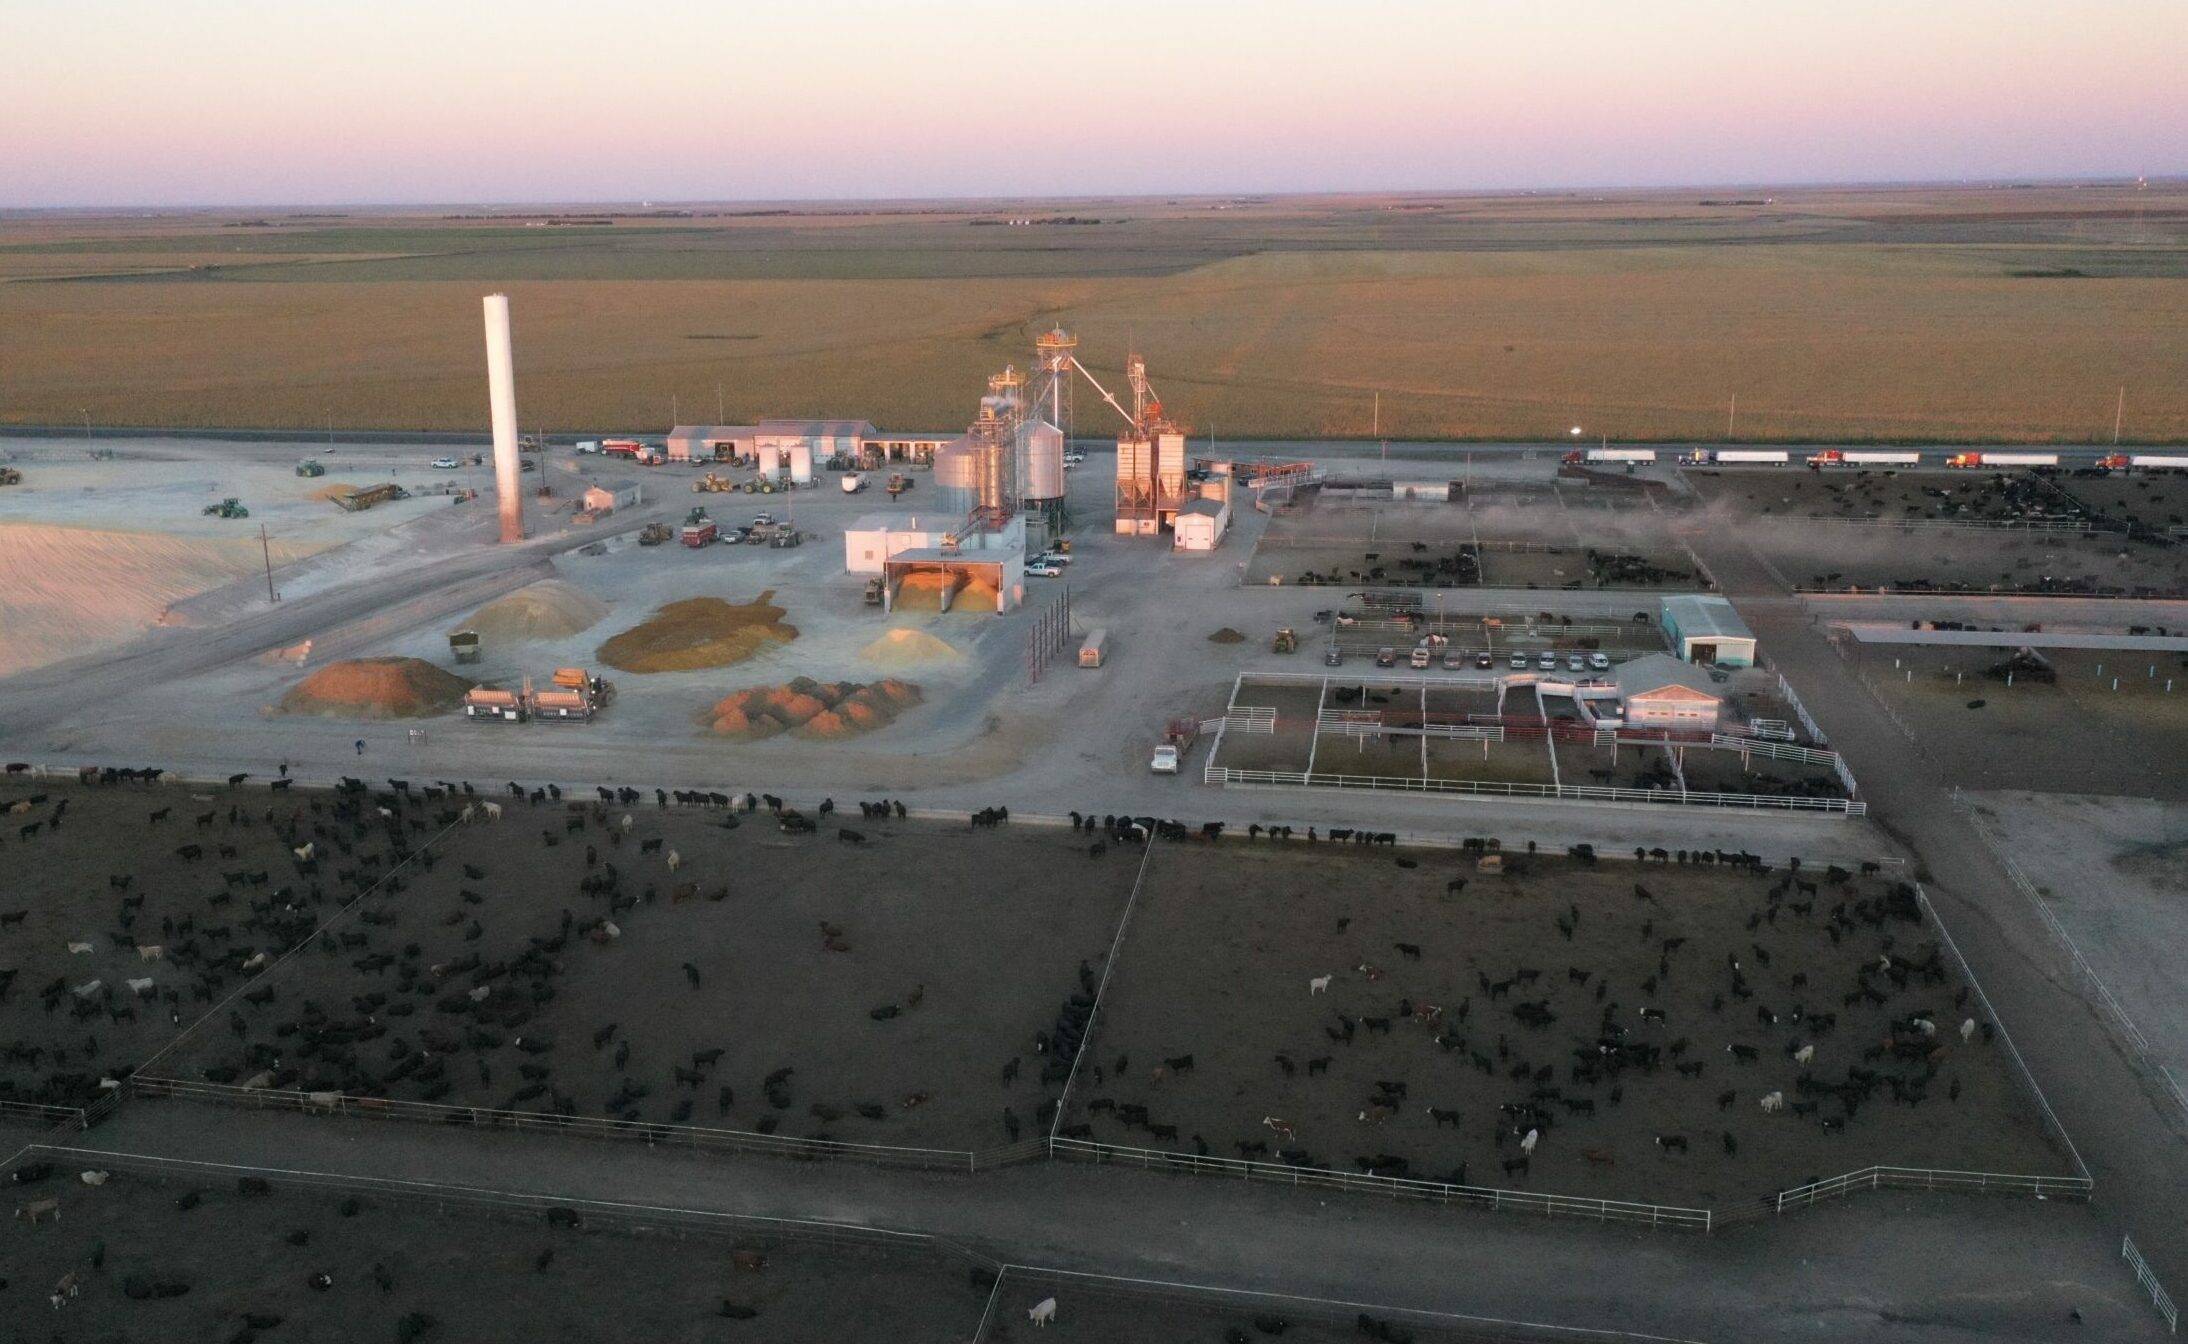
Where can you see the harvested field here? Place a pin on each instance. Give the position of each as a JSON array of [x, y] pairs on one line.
[[2075, 735], [549, 609], [883, 992], [66, 591], [1920, 313], [1465, 1009], [112, 871], [910, 648], [820, 710], [192, 1256], [700, 632], [376, 688]]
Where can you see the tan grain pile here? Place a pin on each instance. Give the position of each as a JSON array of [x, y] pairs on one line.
[[909, 648], [923, 592], [699, 632], [327, 492], [376, 688], [549, 609], [1226, 636]]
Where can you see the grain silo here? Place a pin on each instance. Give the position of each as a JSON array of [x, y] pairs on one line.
[[1041, 466], [956, 478]]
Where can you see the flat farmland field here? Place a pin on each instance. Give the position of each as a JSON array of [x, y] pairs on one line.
[[1838, 314], [1464, 1009]]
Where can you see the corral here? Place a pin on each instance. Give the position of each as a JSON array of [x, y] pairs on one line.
[[2075, 734], [886, 990], [126, 883], [205, 1253], [1385, 544], [1517, 734], [1407, 1015]]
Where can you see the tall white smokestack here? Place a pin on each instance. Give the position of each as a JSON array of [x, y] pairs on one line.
[[501, 385]]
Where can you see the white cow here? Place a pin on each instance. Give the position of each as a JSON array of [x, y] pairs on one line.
[[1773, 1103], [492, 811], [78, 949], [1042, 1312], [1804, 1054], [676, 860], [143, 986], [1527, 1145], [305, 851], [150, 953], [1967, 1030], [1319, 985]]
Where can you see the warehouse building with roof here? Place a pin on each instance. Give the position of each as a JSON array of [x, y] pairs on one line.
[[1703, 628]]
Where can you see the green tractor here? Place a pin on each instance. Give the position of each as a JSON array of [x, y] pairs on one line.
[[231, 507], [310, 467]]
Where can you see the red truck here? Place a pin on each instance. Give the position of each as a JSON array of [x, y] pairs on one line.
[[643, 454]]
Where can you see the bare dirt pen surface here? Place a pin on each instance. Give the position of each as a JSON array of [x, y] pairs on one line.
[[2157, 500], [1224, 943], [1839, 314], [478, 984], [1348, 543], [112, 877], [469, 1274], [2076, 736], [1789, 516], [1104, 1310], [376, 688], [699, 632]]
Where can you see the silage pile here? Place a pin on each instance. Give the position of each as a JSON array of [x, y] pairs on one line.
[[327, 493], [811, 709], [376, 688], [549, 609], [1226, 635], [699, 632], [909, 648]]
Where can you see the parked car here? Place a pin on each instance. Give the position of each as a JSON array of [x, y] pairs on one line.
[[446, 464], [1052, 558], [1483, 660], [1421, 658], [1519, 662], [1386, 657], [1042, 570], [1601, 662], [1547, 662], [1575, 663], [1165, 759], [1333, 657], [1453, 662]]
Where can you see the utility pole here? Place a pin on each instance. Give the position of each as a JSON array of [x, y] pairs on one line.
[[1375, 422], [265, 550], [1731, 411], [718, 403], [2119, 413]]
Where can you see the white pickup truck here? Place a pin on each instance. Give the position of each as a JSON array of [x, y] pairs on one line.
[[1165, 760]]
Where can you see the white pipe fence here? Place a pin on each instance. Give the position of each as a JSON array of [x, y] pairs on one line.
[[2159, 1298], [2073, 525], [1225, 776], [1607, 1210], [1927, 1178]]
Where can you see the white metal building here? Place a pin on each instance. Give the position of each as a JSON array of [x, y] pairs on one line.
[[1703, 628], [893, 546], [1200, 525]]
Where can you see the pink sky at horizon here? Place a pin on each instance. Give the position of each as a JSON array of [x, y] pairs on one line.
[[126, 102]]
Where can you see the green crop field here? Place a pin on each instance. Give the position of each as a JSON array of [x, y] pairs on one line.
[[1888, 314]]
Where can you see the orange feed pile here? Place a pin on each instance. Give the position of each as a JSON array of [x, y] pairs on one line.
[[811, 709], [376, 688]]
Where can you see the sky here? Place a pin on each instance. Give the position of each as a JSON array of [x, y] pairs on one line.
[[306, 102]]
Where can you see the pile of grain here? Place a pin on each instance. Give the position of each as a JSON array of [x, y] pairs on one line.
[[1226, 636], [376, 688], [549, 609], [326, 493], [923, 591], [909, 648], [699, 632], [812, 709]]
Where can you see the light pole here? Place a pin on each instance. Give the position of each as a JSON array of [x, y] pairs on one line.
[[86, 414]]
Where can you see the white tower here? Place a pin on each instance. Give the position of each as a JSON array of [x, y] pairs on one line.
[[501, 389]]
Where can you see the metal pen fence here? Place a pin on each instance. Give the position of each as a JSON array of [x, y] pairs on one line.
[[1928, 1178], [2159, 1298], [1758, 802], [1606, 1210], [2063, 525], [621, 1215], [541, 1122], [2021, 1072]]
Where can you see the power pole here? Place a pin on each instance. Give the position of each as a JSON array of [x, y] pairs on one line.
[[1731, 411], [265, 550], [1375, 422], [2119, 413]]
